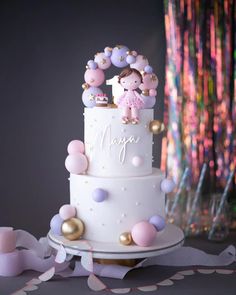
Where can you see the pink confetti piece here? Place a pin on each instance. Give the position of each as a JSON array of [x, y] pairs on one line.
[[95, 283], [187, 272], [87, 261], [61, 255], [121, 290], [19, 292], [167, 282], [177, 276], [34, 282], [30, 288], [225, 271], [206, 271], [149, 288], [46, 276]]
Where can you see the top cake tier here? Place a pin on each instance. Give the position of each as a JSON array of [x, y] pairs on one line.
[[115, 149]]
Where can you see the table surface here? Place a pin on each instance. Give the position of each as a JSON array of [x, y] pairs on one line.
[[196, 284]]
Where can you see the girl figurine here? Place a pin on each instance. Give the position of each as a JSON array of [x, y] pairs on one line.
[[130, 101]]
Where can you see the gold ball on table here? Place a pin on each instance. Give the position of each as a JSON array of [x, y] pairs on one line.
[[72, 229], [126, 239], [156, 127]]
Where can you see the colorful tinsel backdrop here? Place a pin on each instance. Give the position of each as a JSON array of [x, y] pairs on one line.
[[200, 90]]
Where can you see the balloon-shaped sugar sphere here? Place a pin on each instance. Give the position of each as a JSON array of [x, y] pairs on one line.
[[94, 77], [108, 51], [89, 96], [158, 222], [92, 64], [148, 69], [149, 101], [102, 61], [140, 63], [150, 81], [130, 59], [167, 185], [118, 57], [67, 211], [143, 234], [76, 163], [99, 195], [75, 147], [56, 224]]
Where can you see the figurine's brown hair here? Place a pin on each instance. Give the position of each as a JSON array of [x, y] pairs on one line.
[[127, 72]]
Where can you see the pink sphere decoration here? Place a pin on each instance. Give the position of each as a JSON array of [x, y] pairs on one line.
[[94, 77], [140, 63], [152, 92], [137, 161], [76, 163], [67, 211], [143, 234], [75, 147], [150, 81], [102, 60]]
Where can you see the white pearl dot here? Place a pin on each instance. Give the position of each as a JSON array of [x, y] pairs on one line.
[[123, 215], [69, 178], [123, 188], [137, 203], [118, 221], [154, 186]]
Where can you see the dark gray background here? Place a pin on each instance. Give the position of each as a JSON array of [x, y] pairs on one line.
[[44, 50]]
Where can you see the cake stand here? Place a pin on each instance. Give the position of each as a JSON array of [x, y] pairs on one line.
[[167, 240]]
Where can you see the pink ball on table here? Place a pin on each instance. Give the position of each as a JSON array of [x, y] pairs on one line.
[[76, 163], [67, 211], [75, 146], [143, 234], [94, 77]]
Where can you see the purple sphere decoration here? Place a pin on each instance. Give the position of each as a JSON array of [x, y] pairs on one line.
[[148, 69], [92, 64], [108, 51], [99, 195], [89, 95], [55, 224], [130, 59], [167, 185], [158, 222], [149, 101], [118, 57]]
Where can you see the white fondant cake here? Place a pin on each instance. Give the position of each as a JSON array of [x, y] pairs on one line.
[[129, 200], [111, 146], [116, 196]]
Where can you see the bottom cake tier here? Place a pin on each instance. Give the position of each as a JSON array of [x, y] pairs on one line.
[[109, 207]]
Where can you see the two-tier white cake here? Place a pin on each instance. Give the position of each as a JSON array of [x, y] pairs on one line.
[[120, 163], [117, 199]]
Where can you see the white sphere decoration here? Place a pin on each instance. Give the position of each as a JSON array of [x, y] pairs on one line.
[[137, 161], [167, 185]]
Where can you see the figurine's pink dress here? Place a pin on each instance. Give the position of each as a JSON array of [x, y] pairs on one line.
[[130, 99]]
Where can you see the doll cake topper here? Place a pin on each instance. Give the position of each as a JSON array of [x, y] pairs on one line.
[[130, 101]]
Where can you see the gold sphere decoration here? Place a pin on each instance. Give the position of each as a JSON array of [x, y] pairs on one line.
[[156, 127], [126, 239], [72, 229], [85, 86]]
